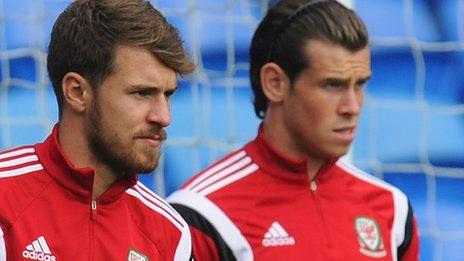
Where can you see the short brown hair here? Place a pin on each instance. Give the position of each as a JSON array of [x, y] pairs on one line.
[[286, 28], [86, 34]]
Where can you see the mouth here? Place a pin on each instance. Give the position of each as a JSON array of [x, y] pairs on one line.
[[153, 139], [346, 134]]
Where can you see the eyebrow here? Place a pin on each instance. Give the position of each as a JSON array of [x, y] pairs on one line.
[[153, 87], [343, 80], [365, 79], [173, 90]]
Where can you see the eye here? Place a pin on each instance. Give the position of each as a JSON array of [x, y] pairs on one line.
[[170, 93], [143, 92], [334, 85], [361, 84]]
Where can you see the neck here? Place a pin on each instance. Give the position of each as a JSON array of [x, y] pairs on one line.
[[278, 135], [73, 140], [103, 180]]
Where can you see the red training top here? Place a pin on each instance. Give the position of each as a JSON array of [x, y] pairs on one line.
[[257, 204], [47, 212]]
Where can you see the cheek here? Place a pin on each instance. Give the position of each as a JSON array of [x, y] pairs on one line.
[[117, 120], [313, 110]]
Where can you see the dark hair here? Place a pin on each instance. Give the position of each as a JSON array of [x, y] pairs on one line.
[[282, 34], [86, 34]]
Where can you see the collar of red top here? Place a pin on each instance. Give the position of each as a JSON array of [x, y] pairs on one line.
[[77, 180], [276, 163]]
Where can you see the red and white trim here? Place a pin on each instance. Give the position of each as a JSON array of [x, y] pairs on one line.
[[235, 167], [225, 227], [161, 200], [400, 202], [226, 180], [214, 169], [2, 246], [16, 152], [184, 248], [18, 162], [157, 204]]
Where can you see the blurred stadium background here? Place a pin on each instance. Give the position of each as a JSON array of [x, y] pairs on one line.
[[412, 129]]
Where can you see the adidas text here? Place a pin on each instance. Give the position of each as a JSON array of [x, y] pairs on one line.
[[281, 241], [38, 256]]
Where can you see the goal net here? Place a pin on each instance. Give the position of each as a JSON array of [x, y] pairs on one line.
[[412, 126]]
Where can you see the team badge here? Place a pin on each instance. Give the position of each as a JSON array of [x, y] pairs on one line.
[[369, 237], [136, 256]]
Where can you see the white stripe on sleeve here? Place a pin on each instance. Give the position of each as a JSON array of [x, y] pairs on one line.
[[184, 248], [225, 227], [221, 174], [400, 202], [229, 179], [16, 153], [2, 246], [20, 171], [154, 207], [215, 169], [18, 161]]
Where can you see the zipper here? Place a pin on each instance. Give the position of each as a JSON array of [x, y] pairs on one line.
[[93, 214], [313, 188]]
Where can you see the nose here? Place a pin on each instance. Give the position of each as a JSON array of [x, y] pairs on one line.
[[351, 101], [160, 111]]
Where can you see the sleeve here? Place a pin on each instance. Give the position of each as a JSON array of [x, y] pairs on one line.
[[213, 230], [184, 248], [2, 246], [208, 245], [409, 249]]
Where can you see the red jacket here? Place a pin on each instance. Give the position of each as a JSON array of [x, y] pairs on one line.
[[47, 213], [257, 204]]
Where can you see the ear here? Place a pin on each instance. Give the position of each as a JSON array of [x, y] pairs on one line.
[[77, 92], [274, 82]]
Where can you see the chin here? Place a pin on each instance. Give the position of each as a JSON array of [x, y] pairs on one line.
[[144, 166], [145, 172], [145, 169], [335, 154]]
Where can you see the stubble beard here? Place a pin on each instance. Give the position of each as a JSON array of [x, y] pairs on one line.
[[107, 148]]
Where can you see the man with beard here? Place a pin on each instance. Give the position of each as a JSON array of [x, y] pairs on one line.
[[113, 65], [285, 195]]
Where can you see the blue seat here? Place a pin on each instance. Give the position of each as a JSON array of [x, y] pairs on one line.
[[385, 18], [448, 14], [211, 119]]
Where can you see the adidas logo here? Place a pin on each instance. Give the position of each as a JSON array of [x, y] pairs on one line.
[[136, 256], [38, 250], [277, 236]]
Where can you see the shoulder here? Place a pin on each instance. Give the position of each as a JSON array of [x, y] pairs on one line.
[[225, 189], [380, 194], [148, 202], [214, 222], [21, 180], [160, 221], [17, 168], [19, 162], [235, 168], [371, 184], [210, 200]]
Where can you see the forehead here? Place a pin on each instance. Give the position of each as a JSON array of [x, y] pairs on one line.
[[143, 66], [330, 58]]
